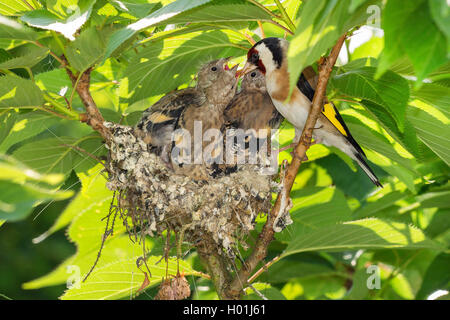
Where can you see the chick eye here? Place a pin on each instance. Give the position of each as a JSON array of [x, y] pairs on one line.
[[214, 69], [253, 74]]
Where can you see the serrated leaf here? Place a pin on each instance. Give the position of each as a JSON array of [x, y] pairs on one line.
[[44, 19], [390, 91], [53, 81], [436, 277], [28, 125], [17, 92], [440, 12], [407, 139], [371, 208], [435, 95], [165, 65], [16, 7], [21, 189], [314, 208], [171, 10], [409, 30], [54, 155], [264, 290], [361, 234], [122, 278], [92, 196], [87, 49], [10, 29], [320, 24], [433, 132], [375, 141], [13, 170], [28, 60]]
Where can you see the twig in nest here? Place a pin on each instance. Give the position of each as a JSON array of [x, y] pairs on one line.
[[107, 233]]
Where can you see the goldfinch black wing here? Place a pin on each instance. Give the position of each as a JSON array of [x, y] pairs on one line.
[[307, 84]]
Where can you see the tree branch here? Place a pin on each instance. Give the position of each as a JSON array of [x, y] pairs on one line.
[[93, 117], [266, 236]]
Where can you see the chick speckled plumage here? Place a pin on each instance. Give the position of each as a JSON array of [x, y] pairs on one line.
[[162, 124], [269, 55], [252, 107]]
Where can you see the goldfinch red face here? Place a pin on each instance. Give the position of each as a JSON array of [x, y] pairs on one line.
[[266, 55]]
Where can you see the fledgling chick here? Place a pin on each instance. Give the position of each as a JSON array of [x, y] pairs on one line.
[[252, 107], [182, 109], [252, 110], [269, 55]]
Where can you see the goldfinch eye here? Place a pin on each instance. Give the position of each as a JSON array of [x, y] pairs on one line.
[[214, 69], [255, 57], [253, 74]]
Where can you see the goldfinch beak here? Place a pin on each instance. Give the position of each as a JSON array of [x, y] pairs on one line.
[[249, 67]]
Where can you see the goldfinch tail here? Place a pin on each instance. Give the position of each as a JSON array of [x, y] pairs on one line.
[[363, 164]]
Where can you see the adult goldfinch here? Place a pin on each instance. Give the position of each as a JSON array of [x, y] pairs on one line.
[[269, 55]]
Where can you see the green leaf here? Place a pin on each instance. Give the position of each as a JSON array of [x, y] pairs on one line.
[[407, 139], [54, 155], [53, 81], [432, 131], [409, 29], [320, 24], [164, 65], [171, 10], [13, 170], [435, 95], [391, 91], [440, 12], [314, 208], [375, 141], [122, 278], [44, 19], [21, 189], [361, 234], [10, 29], [18, 200], [93, 196], [298, 266], [371, 208], [437, 276], [17, 92], [16, 7], [265, 290], [28, 60], [87, 49], [28, 125], [435, 199]]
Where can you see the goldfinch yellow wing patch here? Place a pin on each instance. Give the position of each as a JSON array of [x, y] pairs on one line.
[[331, 113]]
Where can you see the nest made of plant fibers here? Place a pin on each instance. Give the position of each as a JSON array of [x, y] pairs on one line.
[[220, 211]]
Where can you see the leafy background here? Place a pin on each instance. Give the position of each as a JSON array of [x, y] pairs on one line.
[[391, 86]]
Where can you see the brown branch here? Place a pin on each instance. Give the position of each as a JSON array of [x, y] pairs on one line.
[[266, 236], [93, 117], [216, 267]]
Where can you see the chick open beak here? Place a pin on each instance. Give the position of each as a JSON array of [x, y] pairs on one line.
[[247, 68]]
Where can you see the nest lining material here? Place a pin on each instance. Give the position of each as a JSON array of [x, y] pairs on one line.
[[220, 211]]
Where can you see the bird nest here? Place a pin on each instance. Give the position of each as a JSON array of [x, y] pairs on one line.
[[219, 213]]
